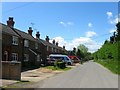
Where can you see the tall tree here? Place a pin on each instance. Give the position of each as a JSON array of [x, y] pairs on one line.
[[82, 48], [106, 41], [79, 54], [118, 31]]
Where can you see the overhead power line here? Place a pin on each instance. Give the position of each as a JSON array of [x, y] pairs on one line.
[[24, 5]]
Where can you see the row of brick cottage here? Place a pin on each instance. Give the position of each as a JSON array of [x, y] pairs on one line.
[[21, 46]]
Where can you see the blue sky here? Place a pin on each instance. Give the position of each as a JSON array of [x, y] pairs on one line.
[[69, 23]]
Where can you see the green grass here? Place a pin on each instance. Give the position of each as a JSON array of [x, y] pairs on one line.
[[54, 68], [23, 81], [112, 65]]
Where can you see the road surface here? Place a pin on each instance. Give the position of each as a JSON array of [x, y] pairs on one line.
[[88, 75]]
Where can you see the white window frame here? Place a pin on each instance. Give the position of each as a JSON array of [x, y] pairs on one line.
[[26, 57], [14, 40], [47, 48], [14, 57], [38, 57], [52, 49], [26, 43], [36, 45]]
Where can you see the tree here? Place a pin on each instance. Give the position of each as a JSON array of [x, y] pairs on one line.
[[82, 48], [79, 54], [106, 41], [111, 39], [82, 52], [118, 31]]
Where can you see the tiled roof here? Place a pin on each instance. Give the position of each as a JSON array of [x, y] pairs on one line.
[[6, 29], [25, 35], [16, 32], [50, 44]]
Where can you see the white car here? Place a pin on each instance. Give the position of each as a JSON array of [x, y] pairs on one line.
[[64, 58]]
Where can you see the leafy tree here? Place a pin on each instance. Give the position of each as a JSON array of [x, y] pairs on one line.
[[83, 48], [111, 39], [79, 54], [106, 41], [82, 52], [118, 31]]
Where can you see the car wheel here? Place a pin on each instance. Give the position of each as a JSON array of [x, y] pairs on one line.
[[69, 63]]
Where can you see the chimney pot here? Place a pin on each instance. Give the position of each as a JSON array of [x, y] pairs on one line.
[[37, 35], [10, 22], [56, 43], [53, 41], [47, 39], [30, 31], [63, 47]]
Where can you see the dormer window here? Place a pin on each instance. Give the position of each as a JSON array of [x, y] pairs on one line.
[[26, 43], [14, 40]]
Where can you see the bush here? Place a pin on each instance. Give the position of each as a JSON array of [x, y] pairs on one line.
[[59, 64]]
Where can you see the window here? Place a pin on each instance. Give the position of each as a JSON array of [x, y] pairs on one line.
[[66, 58], [26, 57], [47, 48], [38, 57], [15, 40], [52, 49], [14, 56], [36, 45], [26, 43], [6, 55], [55, 49]]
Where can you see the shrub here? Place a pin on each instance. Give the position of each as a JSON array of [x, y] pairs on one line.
[[59, 64]]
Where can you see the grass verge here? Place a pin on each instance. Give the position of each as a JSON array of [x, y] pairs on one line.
[[23, 81], [56, 68], [112, 65]]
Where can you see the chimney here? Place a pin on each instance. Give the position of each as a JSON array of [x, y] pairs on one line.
[[54, 42], [47, 39], [30, 31], [38, 35], [74, 49], [10, 22], [63, 47]]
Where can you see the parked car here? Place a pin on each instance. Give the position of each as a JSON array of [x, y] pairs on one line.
[[63, 58], [50, 61], [74, 58]]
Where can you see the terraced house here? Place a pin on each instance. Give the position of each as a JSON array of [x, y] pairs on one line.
[[21, 46], [11, 42]]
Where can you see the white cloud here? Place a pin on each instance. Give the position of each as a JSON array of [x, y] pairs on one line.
[[87, 41], [109, 14], [112, 30], [70, 23], [112, 19], [60, 41], [90, 34], [89, 24], [66, 23], [62, 23]]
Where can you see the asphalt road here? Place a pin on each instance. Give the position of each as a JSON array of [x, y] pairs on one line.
[[88, 75]]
